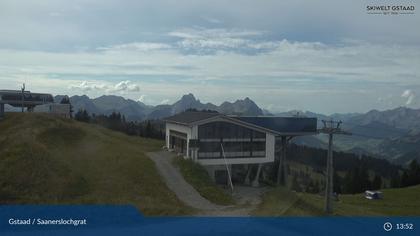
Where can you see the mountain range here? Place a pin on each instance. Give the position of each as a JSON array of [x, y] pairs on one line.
[[136, 110], [391, 134]]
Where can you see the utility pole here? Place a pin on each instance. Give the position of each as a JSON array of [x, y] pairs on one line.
[[281, 175], [23, 95], [281, 171], [330, 127]]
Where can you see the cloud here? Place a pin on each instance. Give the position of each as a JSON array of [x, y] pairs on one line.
[[307, 68], [86, 86], [278, 52], [54, 14], [216, 39], [245, 42], [212, 20], [409, 95], [142, 98], [200, 32], [28, 24], [123, 86], [136, 46], [164, 102]]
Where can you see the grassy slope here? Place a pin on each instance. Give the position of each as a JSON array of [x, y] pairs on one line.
[[47, 160], [396, 202], [197, 176]]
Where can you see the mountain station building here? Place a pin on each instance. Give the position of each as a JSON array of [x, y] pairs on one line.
[[218, 141], [32, 102]]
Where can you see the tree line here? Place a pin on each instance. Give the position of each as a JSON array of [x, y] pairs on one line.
[[118, 122], [409, 177], [358, 179], [352, 173]]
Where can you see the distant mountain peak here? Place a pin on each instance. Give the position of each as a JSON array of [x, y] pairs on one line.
[[78, 96], [248, 100], [189, 97], [241, 107], [112, 97]]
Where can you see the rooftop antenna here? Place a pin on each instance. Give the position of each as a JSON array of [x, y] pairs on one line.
[[23, 96]]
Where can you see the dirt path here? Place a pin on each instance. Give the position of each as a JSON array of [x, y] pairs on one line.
[[187, 194]]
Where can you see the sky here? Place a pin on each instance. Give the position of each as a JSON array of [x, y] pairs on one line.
[[323, 56]]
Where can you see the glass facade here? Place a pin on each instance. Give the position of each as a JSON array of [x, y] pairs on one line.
[[226, 130], [237, 141]]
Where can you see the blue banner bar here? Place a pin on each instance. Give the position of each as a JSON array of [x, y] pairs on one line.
[[127, 220]]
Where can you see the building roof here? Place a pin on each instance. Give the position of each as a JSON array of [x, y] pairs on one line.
[[14, 98], [189, 117], [276, 125], [282, 124]]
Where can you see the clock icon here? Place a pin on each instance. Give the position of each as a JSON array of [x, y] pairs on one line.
[[387, 226]]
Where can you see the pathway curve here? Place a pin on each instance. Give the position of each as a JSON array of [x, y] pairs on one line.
[[187, 194]]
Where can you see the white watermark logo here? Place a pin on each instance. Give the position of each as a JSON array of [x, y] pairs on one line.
[[390, 9]]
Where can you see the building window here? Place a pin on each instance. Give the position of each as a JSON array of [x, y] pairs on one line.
[[226, 130], [238, 141]]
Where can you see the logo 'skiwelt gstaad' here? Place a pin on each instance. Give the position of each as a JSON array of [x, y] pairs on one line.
[[397, 9]]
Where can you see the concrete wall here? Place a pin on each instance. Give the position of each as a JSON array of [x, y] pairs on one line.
[[211, 170], [270, 146], [179, 128]]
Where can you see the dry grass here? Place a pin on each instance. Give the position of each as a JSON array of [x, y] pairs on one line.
[[50, 160]]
